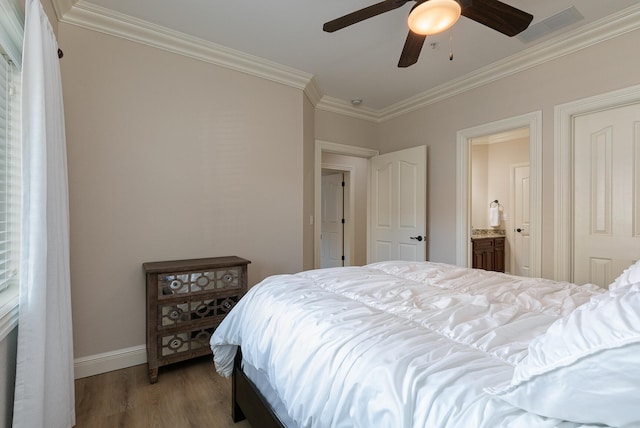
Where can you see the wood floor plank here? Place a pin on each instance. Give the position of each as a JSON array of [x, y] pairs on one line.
[[188, 394]]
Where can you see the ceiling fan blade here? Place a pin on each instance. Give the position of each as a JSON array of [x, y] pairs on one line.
[[497, 15], [411, 50], [362, 14]]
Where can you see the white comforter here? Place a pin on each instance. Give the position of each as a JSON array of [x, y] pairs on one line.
[[394, 344]]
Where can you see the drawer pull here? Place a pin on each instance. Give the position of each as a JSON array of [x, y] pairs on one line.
[[175, 344]]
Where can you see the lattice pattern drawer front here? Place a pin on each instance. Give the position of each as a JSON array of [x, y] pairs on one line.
[[195, 310], [193, 282], [184, 342], [171, 315]]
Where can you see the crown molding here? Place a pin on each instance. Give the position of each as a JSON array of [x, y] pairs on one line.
[[62, 6], [313, 92], [106, 21], [97, 18], [340, 106], [596, 32]]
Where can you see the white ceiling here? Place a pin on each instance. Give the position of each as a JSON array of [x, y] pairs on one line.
[[359, 61]]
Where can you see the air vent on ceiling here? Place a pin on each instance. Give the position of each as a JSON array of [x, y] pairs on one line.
[[555, 22]]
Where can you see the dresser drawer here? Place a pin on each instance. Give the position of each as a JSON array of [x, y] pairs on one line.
[[172, 314], [185, 342], [173, 283]]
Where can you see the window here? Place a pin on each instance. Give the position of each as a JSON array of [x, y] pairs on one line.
[[10, 196], [11, 35]]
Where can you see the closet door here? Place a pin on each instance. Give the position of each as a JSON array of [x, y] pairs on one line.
[[332, 228], [606, 194]]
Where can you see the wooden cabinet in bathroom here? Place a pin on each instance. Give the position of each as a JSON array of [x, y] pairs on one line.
[[488, 253]]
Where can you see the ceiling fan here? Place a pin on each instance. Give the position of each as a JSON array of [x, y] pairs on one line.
[[429, 17]]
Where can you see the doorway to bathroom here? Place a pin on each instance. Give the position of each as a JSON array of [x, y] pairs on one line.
[[500, 181], [499, 166]]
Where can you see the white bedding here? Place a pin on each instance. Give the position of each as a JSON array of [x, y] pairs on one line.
[[394, 344]]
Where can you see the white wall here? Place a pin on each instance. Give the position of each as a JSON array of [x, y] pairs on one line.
[[479, 186], [491, 177], [337, 128], [501, 157], [171, 158], [597, 69]]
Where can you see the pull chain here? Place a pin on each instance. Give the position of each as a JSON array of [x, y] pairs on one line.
[[451, 46]]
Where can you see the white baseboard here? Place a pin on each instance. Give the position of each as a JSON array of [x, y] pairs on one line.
[[109, 361]]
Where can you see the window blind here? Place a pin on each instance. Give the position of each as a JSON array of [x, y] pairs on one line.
[[10, 196]]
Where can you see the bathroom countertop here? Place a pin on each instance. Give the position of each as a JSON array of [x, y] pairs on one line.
[[487, 233]]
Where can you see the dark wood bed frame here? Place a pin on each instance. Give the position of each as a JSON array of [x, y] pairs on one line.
[[247, 402]]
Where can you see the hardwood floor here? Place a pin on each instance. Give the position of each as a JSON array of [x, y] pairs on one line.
[[188, 394]]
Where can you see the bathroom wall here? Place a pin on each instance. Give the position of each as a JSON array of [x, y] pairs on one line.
[[479, 186], [491, 177]]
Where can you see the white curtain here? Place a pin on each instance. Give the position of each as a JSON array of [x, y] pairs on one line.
[[44, 394]]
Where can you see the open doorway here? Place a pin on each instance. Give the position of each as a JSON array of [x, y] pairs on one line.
[[500, 181], [354, 161], [531, 122]]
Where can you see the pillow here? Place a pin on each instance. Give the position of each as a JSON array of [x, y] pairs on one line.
[[586, 367], [629, 276]]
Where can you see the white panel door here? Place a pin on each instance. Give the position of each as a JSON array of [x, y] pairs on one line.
[[606, 194], [398, 206], [332, 228], [520, 257]]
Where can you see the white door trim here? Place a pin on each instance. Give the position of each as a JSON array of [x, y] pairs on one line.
[[328, 147], [563, 169], [463, 215]]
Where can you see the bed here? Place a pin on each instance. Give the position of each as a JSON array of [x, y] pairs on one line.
[[421, 344]]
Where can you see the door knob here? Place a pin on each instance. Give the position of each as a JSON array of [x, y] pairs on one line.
[[417, 238], [518, 230]]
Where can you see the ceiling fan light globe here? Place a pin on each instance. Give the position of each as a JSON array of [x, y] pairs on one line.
[[434, 16]]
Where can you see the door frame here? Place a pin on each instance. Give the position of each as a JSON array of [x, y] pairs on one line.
[[340, 149], [563, 168], [463, 194]]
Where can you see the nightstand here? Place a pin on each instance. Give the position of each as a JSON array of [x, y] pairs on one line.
[[186, 301]]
